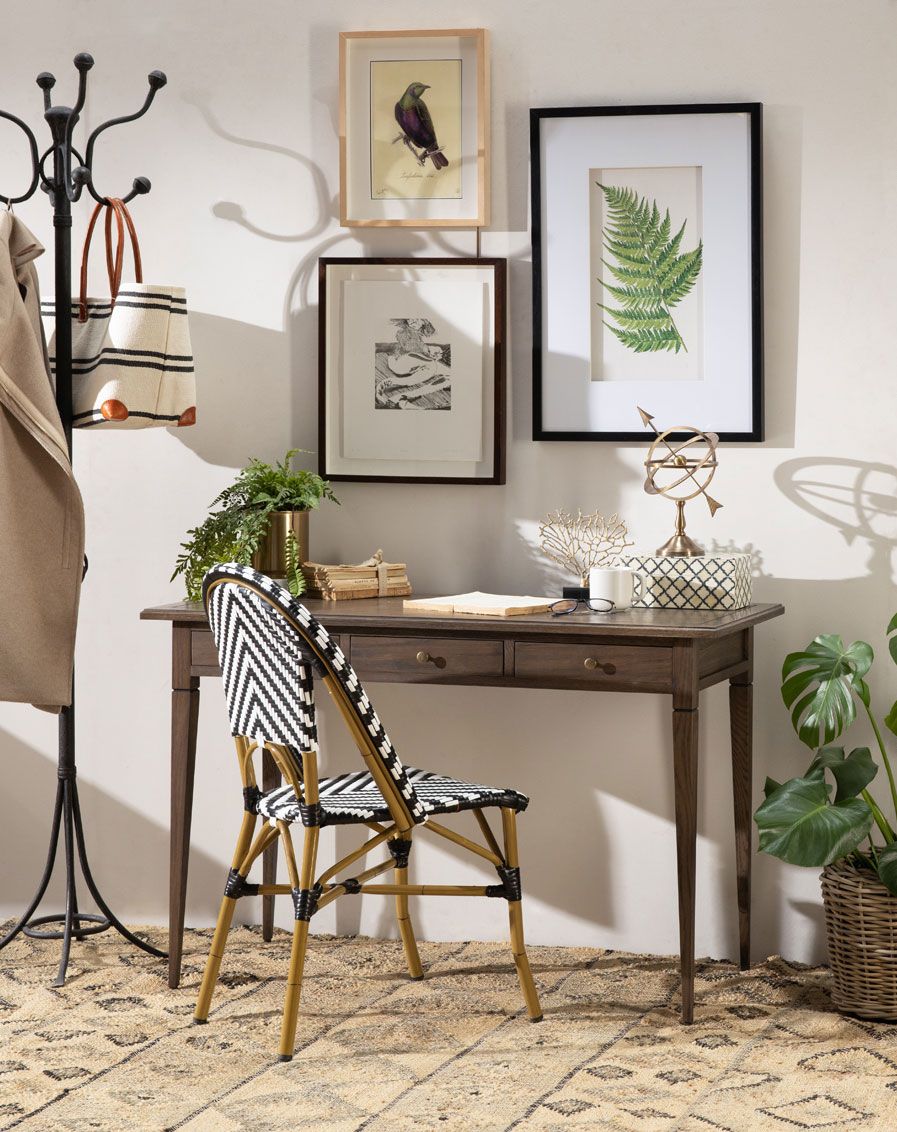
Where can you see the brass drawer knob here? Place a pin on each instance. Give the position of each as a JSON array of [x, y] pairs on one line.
[[426, 658], [591, 663], [423, 657]]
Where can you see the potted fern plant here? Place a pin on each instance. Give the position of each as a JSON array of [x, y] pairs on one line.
[[261, 519], [828, 818]]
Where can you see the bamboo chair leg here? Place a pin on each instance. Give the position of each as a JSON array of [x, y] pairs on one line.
[[213, 963], [301, 884], [515, 916], [222, 928], [406, 928]]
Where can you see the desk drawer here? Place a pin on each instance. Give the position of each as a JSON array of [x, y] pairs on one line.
[[423, 660], [203, 653], [628, 667]]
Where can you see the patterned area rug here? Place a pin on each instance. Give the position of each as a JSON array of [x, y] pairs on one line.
[[115, 1049]]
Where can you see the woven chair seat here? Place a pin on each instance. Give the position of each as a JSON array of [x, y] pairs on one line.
[[353, 798]]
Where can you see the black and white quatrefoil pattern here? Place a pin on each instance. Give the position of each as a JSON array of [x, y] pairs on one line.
[[263, 646], [708, 582]]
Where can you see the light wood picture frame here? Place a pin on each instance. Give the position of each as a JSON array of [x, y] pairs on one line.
[[414, 128], [411, 367]]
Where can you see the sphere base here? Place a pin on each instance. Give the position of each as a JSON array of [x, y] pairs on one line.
[[680, 546]]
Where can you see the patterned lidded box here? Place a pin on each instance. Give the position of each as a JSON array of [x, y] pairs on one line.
[[712, 581]]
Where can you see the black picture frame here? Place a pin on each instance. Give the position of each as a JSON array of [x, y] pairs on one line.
[[754, 110], [499, 269]]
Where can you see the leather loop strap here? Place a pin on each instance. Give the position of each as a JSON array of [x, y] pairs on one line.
[[113, 268], [114, 261], [82, 303], [125, 212]]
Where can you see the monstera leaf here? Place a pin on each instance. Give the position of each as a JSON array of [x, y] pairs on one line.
[[799, 824], [652, 276], [819, 684], [886, 866], [891, 717], [852, 773]]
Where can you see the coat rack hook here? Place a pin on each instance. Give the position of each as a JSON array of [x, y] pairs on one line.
[[80, 177], [35, 162], [46, 82], [140, 186], [83, 62], [156, 80]]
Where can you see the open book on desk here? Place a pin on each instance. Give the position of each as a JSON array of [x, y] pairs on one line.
[[487, 605]]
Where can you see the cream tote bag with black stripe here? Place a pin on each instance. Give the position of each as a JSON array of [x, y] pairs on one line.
[[132, 363]]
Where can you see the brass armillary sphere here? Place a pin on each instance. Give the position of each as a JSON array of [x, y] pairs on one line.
[[681, 470]]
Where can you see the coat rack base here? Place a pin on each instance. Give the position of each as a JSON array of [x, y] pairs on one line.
[[67, 824]]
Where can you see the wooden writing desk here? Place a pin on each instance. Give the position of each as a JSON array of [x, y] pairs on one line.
[[676, 653]]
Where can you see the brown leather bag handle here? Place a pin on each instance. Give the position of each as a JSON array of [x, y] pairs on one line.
[[114, 266], [124, 214], [114, 262], [110, 267]]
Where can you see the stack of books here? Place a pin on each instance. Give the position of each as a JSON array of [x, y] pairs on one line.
[[373, 578]]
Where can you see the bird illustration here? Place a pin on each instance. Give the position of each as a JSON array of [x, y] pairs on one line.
[[416, 124]]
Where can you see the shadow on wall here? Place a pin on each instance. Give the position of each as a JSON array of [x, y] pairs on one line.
[[112, 830], [783, 129], [859, 499], [575, 756], [248, 364]]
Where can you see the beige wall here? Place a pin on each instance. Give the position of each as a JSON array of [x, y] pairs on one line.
[[242, 151]]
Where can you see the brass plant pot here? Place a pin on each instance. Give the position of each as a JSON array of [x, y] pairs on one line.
[[271, 556]]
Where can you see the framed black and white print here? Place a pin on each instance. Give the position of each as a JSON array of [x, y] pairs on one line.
[[412, 370], [647, 269]]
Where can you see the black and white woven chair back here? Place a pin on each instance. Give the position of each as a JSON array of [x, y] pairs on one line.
[[268, 647]]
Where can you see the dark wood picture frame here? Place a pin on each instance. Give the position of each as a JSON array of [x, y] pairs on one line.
[[755, 112], [499, 268]]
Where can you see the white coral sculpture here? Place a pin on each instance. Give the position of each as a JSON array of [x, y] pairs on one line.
[[580, 542]]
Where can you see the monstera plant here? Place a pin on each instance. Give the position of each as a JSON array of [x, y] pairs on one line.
[[828, 814]]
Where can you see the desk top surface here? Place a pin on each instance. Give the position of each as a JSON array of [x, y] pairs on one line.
[[387, 614]]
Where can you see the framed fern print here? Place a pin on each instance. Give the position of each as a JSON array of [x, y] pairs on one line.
[[647, 269]]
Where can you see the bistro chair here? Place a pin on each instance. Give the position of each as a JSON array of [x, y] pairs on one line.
[[271, 650]]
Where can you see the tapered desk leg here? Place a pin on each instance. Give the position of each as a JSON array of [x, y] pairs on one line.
[[184, 719], [270, 780], [686, 696], [741, 723], [685, 769]]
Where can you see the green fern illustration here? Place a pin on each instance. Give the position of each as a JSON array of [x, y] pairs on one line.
[[652, 276]]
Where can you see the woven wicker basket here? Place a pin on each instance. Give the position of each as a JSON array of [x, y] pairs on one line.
[[861, 924]]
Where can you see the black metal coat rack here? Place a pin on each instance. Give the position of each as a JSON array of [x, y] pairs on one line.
[[64, 187]]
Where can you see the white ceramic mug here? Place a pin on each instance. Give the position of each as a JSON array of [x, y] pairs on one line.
[[613, 586]]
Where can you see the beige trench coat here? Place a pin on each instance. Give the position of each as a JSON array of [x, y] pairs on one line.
[[41, 513]]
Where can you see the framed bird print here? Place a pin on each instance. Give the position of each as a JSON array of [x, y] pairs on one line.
[[647, 269], [412, 370], [414, 128]]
